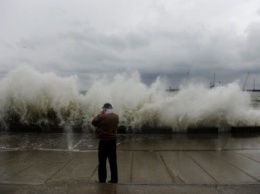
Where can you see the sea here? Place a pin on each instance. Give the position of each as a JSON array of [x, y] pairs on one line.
[[31, 98]]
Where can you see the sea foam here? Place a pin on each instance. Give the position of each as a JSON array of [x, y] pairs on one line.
[[30, 97]]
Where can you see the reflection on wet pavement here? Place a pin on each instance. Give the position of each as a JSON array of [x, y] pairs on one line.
[[85, 142]]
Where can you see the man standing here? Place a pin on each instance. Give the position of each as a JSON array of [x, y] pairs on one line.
[[106, 124]]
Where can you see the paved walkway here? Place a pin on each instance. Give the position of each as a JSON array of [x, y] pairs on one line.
[[147, 164]]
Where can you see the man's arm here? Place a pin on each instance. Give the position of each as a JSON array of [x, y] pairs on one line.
[[97, 121]]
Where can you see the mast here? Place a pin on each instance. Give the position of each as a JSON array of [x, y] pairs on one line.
[[254, 83], [212, 85], [244, 87]]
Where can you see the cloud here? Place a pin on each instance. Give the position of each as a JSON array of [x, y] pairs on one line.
[[252, 45], [167, 38]]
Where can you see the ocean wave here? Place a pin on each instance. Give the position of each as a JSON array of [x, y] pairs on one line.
[[28, 97]]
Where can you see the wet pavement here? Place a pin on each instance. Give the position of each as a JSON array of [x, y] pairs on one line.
[[179, 163]]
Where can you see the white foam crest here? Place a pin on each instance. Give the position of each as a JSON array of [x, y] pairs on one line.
[[127, 94], [195, 105], [222, 106], [35, 97]]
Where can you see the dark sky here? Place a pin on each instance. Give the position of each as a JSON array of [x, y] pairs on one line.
[[166, 38]]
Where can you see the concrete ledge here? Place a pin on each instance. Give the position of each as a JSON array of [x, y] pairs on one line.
[[83, 187], [245, 129], [40, 128], [156, 130], [127, 129], [202, 129], [122, 129]]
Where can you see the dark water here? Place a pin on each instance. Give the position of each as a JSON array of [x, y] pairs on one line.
[[88, 142]]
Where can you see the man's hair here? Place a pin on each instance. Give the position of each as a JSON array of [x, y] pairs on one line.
[[107, 106]]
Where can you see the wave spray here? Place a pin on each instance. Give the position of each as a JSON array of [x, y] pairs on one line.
[[28, 97]]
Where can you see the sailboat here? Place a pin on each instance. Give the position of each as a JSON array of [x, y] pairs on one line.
[[252, 90]]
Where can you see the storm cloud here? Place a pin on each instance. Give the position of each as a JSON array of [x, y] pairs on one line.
[[168, 38]]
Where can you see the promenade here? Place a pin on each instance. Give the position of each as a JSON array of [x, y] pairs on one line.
[[178, 163]]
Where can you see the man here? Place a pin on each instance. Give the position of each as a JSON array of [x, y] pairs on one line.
[[106, 128]]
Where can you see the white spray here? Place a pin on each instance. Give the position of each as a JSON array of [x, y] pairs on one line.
[[33, 97]]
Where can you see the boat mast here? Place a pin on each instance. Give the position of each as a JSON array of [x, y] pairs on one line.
[[213, 83], [244, 87], [254, 83]]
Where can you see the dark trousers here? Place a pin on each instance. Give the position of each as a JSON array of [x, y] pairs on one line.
[[107, 149]]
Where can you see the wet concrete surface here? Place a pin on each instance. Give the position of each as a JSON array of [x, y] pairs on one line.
[[67, 163]]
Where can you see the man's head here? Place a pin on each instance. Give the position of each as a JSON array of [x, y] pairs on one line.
[[107, 106]]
